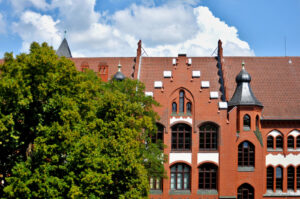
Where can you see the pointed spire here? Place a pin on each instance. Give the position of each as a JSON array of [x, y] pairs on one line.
[[64, 49], [119, 75], [243, 94]]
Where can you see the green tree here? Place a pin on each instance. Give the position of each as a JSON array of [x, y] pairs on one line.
[[66, 134]]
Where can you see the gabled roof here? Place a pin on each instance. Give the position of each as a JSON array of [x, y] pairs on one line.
[[64, 49]]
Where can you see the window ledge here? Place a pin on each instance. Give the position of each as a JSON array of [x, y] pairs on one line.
[[208, 151], [279, 193], [179, 192], [207, 192], [247, 128], [274, 150], [181, 151], [155, 192], [246, 169]]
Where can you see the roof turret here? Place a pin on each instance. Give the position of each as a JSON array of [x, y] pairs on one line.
[[64, 49], [119, 75], [243, 94]]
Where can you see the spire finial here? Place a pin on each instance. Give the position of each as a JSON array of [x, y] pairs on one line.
[[65, 34], [243, 64], [119, 66]]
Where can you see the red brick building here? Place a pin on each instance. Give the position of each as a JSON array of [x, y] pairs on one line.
[[231, 131]]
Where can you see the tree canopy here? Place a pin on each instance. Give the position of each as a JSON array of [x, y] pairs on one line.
[[67, 134]]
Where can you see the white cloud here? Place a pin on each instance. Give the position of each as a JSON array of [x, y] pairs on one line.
[[156, 25], [20, 5], [36, 27], [2, 24], [76, 15], [165, 30]]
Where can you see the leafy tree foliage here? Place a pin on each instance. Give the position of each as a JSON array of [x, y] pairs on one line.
[[66, 134]]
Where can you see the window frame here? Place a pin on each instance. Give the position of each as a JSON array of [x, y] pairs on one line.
[[209, 172], [209, 132], [279, 180], [246, 156], [291, 142], [279, 144], [159, 135], [183, 175], [270, 178], [154, 185], [245, 187], [176, 133], [181, 101], [291, 178], [270, 142], [246, 122]]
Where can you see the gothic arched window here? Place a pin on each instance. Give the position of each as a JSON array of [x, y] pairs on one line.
[[188, 107], [246, 154], [290, 142], [245, 191], [174, 107], [247, 122], [270, 142], [270, 178], [181, 101]]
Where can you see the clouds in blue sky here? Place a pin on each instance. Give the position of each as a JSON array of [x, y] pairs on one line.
[[166, 28]]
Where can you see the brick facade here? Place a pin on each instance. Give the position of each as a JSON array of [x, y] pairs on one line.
[[208, 84]]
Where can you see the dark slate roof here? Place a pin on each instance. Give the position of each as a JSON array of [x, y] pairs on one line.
[[119, 76], [243, 94], [64, 49]]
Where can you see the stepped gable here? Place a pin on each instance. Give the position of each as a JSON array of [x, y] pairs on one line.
[[275, 83], [112, 63], [153, 67]]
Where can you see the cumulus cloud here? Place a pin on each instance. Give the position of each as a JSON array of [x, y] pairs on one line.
[[156, 25], [165, 30], [20, 5], [2, 24], [76, 15], [36, 27]]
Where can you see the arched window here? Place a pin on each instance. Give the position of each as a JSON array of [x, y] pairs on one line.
[[84, 66], [181, 137], [298, 141], [270, 178], [279, 142], [246, 154], [188, 107], [270, 141], [247, 122], [257, 122], [159, 135], [290, 177], [245, 191], [208, 176], [298, 177], [290, 142], [279, 175], [180, 177], [174, 107], [181, 101], [208, 137]]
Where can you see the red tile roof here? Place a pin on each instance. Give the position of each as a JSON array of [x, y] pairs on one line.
[[275, 83], [112, 62]]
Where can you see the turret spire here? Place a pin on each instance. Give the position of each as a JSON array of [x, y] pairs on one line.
[[243, 94]]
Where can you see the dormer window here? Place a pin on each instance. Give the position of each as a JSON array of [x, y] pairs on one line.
[[246, 123]]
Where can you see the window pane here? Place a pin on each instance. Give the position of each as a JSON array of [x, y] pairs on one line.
[[173, 181], [186, 181], [179, 180]]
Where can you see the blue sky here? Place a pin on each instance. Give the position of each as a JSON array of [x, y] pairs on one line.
[[166, 27]]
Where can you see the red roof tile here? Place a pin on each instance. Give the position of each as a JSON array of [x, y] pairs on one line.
[[275, 83]]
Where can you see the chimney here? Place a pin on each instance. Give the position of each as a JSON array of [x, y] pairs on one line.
[[139, 49], [220, 50]]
